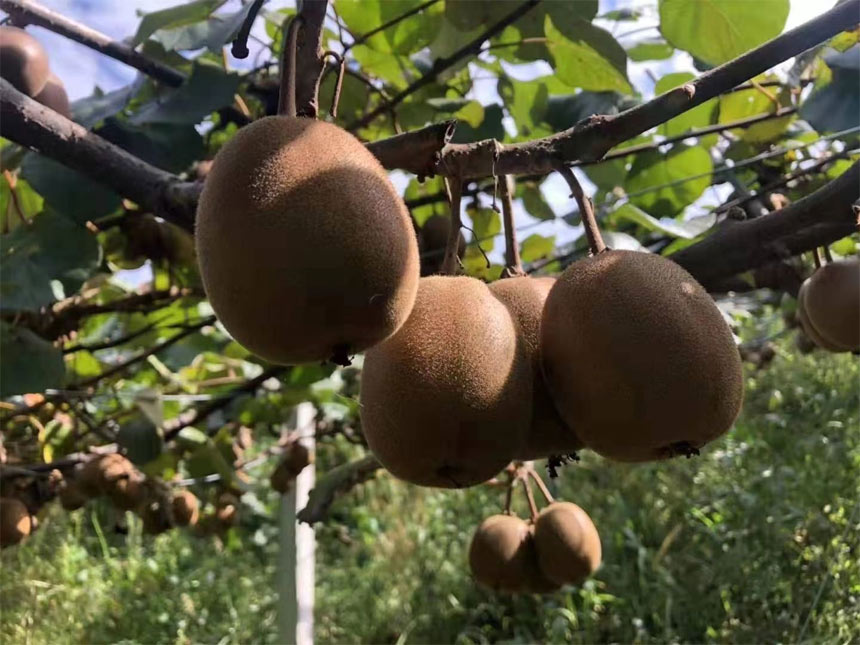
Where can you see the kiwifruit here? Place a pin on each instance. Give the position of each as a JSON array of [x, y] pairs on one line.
[[524, 297], [638, 358], [442, 400], [15, 523], [227, 514], [568, 546], [832, 304], [306, 251], [155, 517], [127, 492], [296, 457], [432, 240], [72, 497], [54, 96], [25, 61], [499, 555], [185, 508], [809, 328]]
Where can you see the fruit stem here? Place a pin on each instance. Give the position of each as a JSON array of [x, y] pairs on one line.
[[513, 263], [827, 254], [586, 211], [287, 93], [816, 257], [240, 44], [540, 484], [341, 69], [454, 188], [509, 495], [530, 496]]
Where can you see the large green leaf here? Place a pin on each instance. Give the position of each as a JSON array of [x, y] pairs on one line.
[[486, 224], [716, 31], [171, 146], [754, 102], [490, 128], [212, 34], [404, 37], [650, 50], [526, 102], [698, 117], [531, 26], [685, 229], [28, 363], [535, 247], [836, 106], [91, 110], [44, 261], [466, 15], [24, 207], [141, 440], [68, 191], [208, 89], [565, 111], [587, 56], [664, 184], [172, 17], [533, 201]]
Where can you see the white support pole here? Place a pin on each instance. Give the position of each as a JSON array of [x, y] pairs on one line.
[[295, 579]]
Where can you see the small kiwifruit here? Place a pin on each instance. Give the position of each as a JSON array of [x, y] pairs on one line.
[[568, 546], [185, 508], [499, 553], [72, 497], [525, 297], [638, 358], [155, 517], [810, 329], [54, 96], [832, 304], [441, 400], [432, 240], [25, 61], [306, 251], [128, 491], [15, 522]]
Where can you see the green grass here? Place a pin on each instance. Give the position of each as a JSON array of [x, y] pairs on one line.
[[757, 540]]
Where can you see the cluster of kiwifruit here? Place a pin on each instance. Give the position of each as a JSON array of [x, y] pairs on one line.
[[556, 547], [26, 67], [828, 306]]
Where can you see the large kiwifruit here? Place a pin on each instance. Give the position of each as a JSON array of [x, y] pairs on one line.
[[568, 546], [832, 304], [432, 240], [25, 62], [306, 250], [810, 330], [638, 358], [54, 96], [15, 523], [525, 297], [442, 400]]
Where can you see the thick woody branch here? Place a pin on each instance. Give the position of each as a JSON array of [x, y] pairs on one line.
[[816, 220], [416, 151], [337, 480], [35, 126], [310, 61], [26, 11], [590, 139]]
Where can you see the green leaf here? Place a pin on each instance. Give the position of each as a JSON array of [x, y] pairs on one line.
[[698, 117], [44, 261], [183, 14], [471, 113], [84, 364], [486, 223], [622, 241], [385, 66], [754, 102], [170, 146], [535, 247], [28, 363], [466, 15], [208, 89], [654, 49], [845, 41], [836, 106], [404, 37], [716, 31], [587, 56], [565, 111], [490, 128], [26, 205], [533, 201], [93, 109], [68, 191], [141, 440], [531, 25], [212, 34], [684, 229], [664, 184], [526, 102]]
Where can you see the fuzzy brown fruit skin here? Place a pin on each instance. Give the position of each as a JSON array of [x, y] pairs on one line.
[[810, 329], [185, 508], [548, 435], [432, 240], [15, 522], [441, 399], [72, 497], [54, 96], [648, 369], [25, 61], [568, 546], [499, 556], [832, 304], [127, 492], [305, 248]]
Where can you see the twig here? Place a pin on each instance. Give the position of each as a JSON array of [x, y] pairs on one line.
[[586, 210], [441, 64], [451, 259], [287, 92], [108, 344], [338, 480], [509, 495], [338, 85], [26, 11], [513, 264]]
